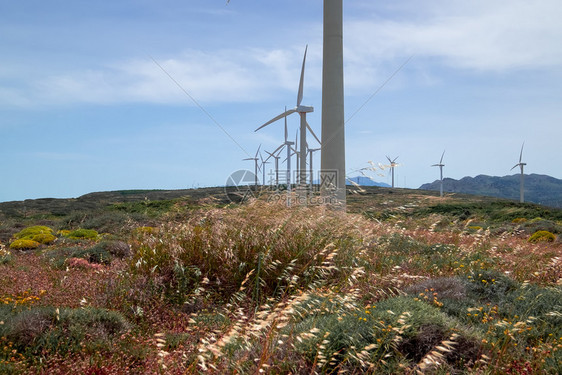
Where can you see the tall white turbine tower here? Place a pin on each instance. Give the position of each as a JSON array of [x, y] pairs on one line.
[[256, 160], [440, 165], [302, 111], [333, 134], [392, 165], [522, 182]]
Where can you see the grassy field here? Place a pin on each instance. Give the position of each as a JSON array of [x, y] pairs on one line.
[[185, 282]]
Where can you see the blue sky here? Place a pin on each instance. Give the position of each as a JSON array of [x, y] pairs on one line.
[[83, 106]]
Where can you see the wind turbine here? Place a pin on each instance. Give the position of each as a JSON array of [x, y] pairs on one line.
[[276, 157], [333, 132], [440, 165], [310, 153], [255, 159], [263, 163], [288, 145], [521, 183], [302, 111], [392, 165]]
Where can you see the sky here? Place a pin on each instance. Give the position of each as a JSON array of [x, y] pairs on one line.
[[145, 94]]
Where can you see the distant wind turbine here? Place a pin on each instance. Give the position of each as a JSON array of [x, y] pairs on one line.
[[287, 144], [263, 163], [392, 165], [311, 151], [521, 183], [276, 157], [302, 111], [255, 159], [440, 165]]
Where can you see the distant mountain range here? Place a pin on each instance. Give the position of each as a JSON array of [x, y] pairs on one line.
[[366, 181], [539, 189]]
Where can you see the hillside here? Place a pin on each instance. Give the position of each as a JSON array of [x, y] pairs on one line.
[[190, 282], [366, 181], [540, 189]]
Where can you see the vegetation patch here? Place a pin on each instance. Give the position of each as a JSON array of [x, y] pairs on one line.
[[262, 288], [37, 330], [5, 255], [83, 234], [542, 236], [24, 245], [30, 232]]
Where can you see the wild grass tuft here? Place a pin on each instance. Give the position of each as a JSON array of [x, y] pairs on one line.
[[256, 251]]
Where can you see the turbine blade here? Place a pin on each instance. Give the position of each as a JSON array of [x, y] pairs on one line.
[[284, 114], [277, 149], [257, 152], [443, 154], [312, 132], [516, 165], [301, 82], [286, 134], [521, 155]]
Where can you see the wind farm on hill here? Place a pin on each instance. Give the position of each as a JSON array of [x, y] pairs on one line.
[[288, 269]]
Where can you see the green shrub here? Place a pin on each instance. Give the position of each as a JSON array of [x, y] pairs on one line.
[[95, 254], [519, 220], [100, 253], [539, 224], [63, 330], [24, 245], [30, 232], [396, 329], [44, 238], [542, 236], [489, 286], [118, 249], [83, 234]]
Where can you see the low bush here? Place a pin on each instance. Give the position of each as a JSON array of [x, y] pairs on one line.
[[83, 234], [30, 232], [539, 224], [57, 257], [24, 245], [44, 238], [542, 236], [118, 249], [49, 330], [95, 254]]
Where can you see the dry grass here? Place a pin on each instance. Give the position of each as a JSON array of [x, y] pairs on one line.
[[261, 288]]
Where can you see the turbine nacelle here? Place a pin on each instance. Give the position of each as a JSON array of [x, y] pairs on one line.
[[304, 109]]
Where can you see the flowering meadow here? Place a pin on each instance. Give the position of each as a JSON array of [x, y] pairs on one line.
[[404, 282]]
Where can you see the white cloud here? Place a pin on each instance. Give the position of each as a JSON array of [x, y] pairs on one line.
[[483, 35], [222, 76], [480, 35]]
